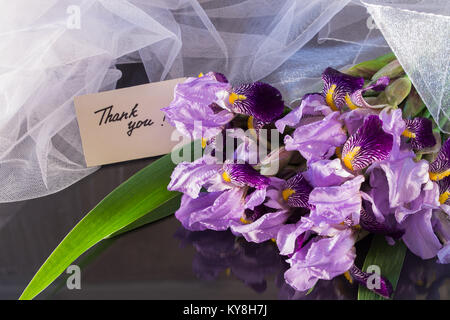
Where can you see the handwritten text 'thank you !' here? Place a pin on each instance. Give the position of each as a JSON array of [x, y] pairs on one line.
[[108, 116]]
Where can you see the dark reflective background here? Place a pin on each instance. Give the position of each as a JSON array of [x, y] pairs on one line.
[[162, 260]]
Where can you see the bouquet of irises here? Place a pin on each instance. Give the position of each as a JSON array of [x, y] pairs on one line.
[[361, 156]]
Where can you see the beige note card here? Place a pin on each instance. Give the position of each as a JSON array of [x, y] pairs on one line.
[[126, 124]]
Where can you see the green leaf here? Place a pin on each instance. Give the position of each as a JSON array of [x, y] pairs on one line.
[[368, 68], [144, 192], [163, 211], [388, 258], [392, 70], [92, 254], [310, 290]]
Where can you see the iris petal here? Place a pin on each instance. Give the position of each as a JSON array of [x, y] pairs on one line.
[[356, 99], [367, 145], [195, 110], [369, 222], [261, 225], [259, 100], [219, 76], [296, 191], [420, 130], [440, 167], [244, 175], [385, 287], [337, 85]]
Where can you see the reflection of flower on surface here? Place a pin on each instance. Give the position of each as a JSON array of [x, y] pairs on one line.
[[218, 252], [222, 252], [423, 279]]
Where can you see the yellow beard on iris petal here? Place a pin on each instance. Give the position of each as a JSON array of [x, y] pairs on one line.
[[329, 98], [349, 102], [286, 193], [348, 158], [226, 176], [435, 176], [233, 97], [348, 277], [444, 197], [250, 123], [408, 134], [244, 221]]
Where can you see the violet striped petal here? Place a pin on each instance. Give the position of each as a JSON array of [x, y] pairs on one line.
[[444, 190], [440, 167], [384, 289], [367, 145], [368, 221], [337, 86], [420, 130], [243, 175], [296, 191], [356, 99], [257, 99]]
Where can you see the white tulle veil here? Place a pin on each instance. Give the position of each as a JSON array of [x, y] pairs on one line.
[[53, 50]]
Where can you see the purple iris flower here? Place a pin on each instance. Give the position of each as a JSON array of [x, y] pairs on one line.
[[419, 235], [225, 200], [420, 130], [440, 167], [318, 129], [338, 87], [260, 220], [341, 89], [370, 143], [321, 245], [334, 204], [369, 222], [318, 245], [266, 214], [296, 191], [394, 124], [321, 258], [398, 181], [259, 100], [322, 252], [312, 108], [403, 197], [356, 99], [326, 173], [198, 101], [330, 204], [203, 106], [354, 119]]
